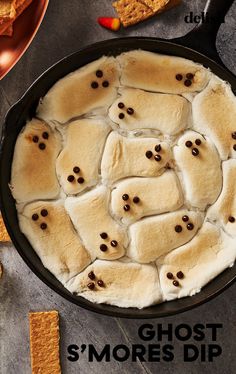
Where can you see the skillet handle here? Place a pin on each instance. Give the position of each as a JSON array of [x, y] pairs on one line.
[[203, 37]]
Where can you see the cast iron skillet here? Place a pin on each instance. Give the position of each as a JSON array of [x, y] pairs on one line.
[[199, 46]]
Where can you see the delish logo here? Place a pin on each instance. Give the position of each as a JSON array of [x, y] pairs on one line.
[[202, 18]]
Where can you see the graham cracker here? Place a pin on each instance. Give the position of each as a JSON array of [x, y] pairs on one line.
[[7, 10], [6, 28], [4, 237], [7, 14], [44, 342], [156, 5], [132, 11]]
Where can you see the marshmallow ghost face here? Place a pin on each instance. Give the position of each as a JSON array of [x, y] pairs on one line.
[[33, 167], [200, 169]]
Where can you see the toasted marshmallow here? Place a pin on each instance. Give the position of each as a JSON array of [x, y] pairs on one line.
[[101, 234], [78, 164], [196, 263], [157, 73], [126, 157], [200, 167], [146, 196], [214, 114], [33, 174], [224, 209], [169, 114], [155, 236], [124, 284], [81, 91], [48, 228]]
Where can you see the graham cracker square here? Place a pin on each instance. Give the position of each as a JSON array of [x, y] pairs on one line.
[[132, 11]]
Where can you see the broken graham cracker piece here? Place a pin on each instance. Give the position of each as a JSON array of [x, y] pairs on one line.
[[4, 237], [20, 6], [7, 10], [132, 11], [156, 5], [7, 14], [135, 11], [161, 6], [44, 342]]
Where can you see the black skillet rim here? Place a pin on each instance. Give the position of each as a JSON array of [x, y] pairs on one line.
[[25, 107]]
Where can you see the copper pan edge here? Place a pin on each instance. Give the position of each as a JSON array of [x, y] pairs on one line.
[[25, 29]]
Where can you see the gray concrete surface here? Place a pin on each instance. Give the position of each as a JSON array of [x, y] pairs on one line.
[[70, 25]]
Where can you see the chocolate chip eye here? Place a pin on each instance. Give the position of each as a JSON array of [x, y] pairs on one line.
[[158, 148], [234, 147], [136, 199], [231, 219], [35, 217], [99, 73], [80, 180], [42, 146], [114, 243], [195, 152], [157, 158], [91, 285], [71, 178], [105, 84], [175, 283], [121, 115], [44, 212], [180, 275], [126, 208], [169, 275], [178, 228], [130, 111], [185, 218], [100, 283], [190, 226], [35, 139], [104, 235], [198, 142], [91, 275], [188, 144], [103, 247], [43, 226], [149, 154], [94, 85], [189, 76], [45, 135], [187, 82], [121, 105], [76, 169], [179, 77], [234, 135], [125, 197]]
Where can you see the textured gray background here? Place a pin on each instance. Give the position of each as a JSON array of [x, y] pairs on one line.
[[70, 25]]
